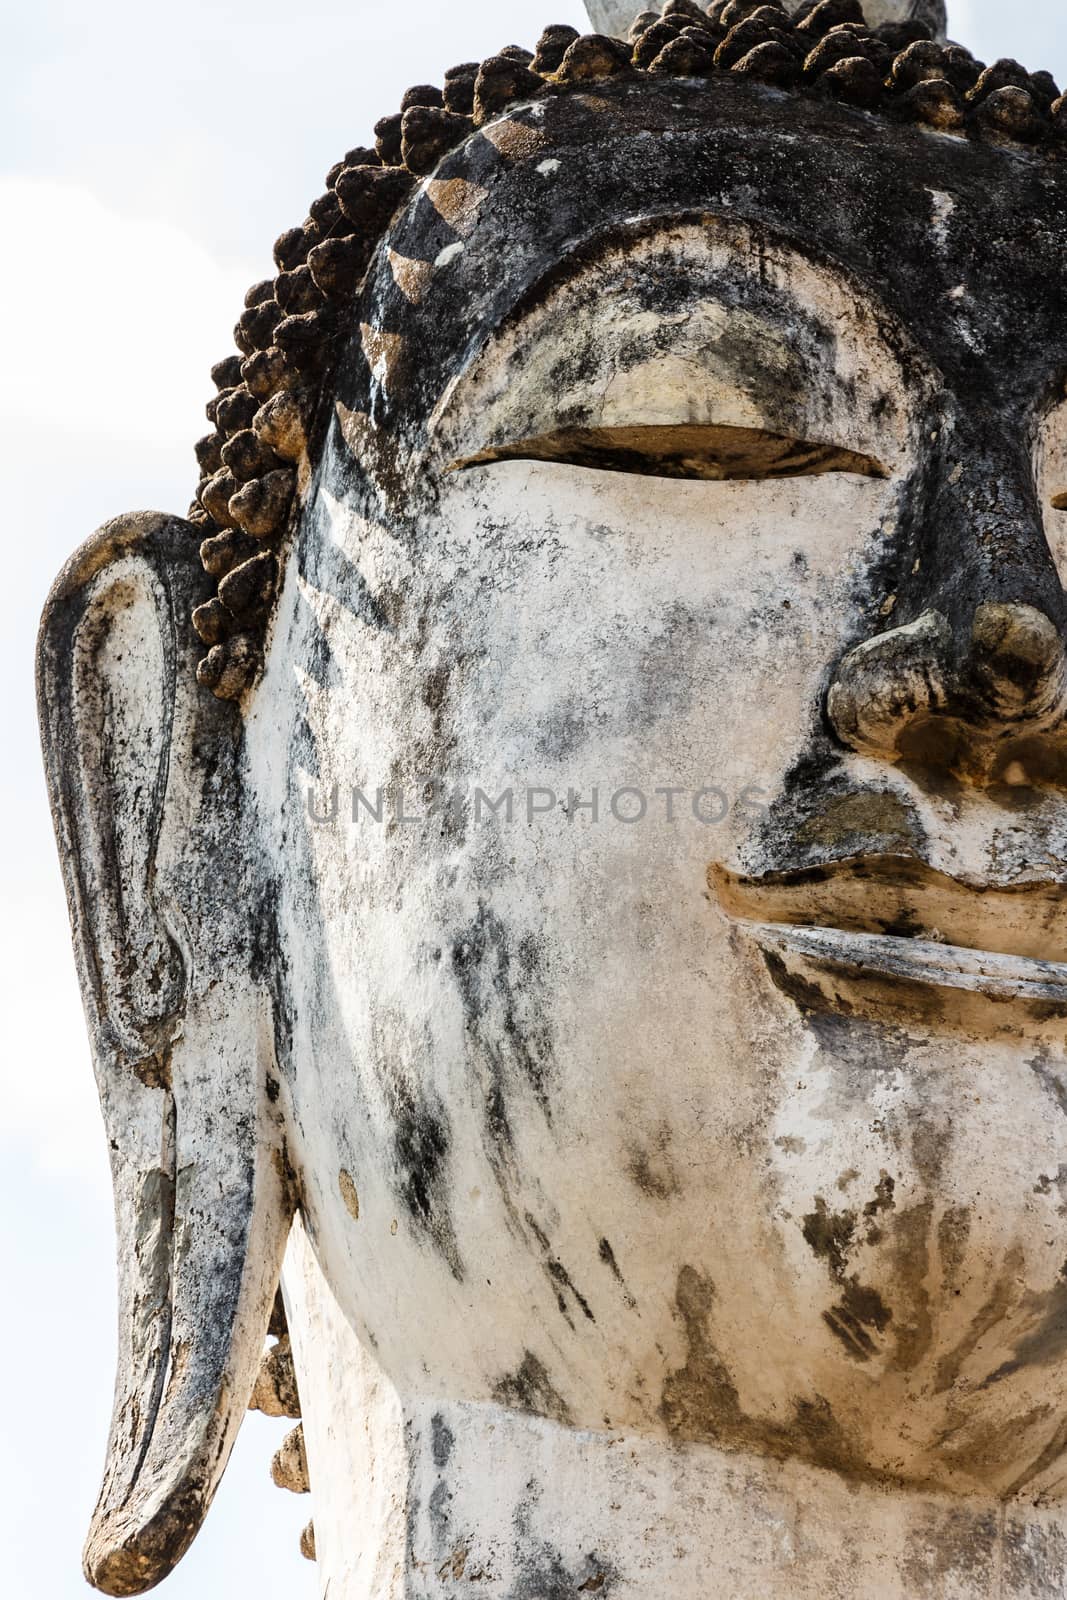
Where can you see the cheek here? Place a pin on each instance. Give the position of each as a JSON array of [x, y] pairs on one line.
[[546, 1020], [628, 630]]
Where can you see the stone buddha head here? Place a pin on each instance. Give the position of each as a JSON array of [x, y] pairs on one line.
[[596, 853]]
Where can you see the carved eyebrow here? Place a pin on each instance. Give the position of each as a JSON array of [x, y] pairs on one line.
[[686, 450]]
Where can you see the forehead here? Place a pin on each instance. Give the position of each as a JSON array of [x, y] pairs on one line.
[[961, 244]]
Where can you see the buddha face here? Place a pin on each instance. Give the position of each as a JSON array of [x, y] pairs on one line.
[[692, 479]]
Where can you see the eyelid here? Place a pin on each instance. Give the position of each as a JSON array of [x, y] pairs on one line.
[[1058, 501], [698, 451]]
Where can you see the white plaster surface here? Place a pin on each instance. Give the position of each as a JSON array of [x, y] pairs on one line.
[[701, 1419]]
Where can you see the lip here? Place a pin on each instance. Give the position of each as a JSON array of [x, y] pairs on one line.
[[942, 966], [894, 917]]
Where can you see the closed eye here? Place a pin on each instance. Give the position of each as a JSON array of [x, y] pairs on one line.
[[1058, 501], [691, 450]]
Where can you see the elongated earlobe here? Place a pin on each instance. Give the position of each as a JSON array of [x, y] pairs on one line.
[[144, 778]]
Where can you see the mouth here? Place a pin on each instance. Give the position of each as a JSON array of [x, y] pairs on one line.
[[892, 917]]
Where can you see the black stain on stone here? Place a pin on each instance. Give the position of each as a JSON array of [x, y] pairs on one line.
[[1048, 1456], [499, 985], [861, 1044], [442, 1441], [700, 1402], [542, 1570], [997, 1306], [1057, 1181], [860, 1311], [563, 730], [497, 1123], [953, 1232], [830, 1234], [662, 691], [530, 1389], [1051, 1079], [509, 1041], [1035, 1558], [651, 1167], [607, 1256], [434, 697], [538, 1232], [911, 1242], [421, 1142], [561, 1277], [805, 995], [439, 1512], [883, 1197], [324, 565], [949, 1547], [543, 1574], [558, 1276], [1046, 1345]]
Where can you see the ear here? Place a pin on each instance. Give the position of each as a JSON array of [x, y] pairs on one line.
[[144, 774]]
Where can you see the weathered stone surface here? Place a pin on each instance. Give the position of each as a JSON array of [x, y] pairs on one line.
[[227, 374], [175, 1033], [229, 667], [428, 133], [247, 456], [289, 1468], [235, 410], [275, 1390], [673, 1090], [876, 1359], [337, 265], [224, 550], [551, 48], [282, 424], [212, 621], [250, 586], [217, 494], [261, 506], [265, 372], [297, 292]]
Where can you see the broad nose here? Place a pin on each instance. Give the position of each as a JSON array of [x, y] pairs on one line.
[[1006, 675], [981, 660]]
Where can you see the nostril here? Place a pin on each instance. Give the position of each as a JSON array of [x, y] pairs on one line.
[[1016, 634], [1017, 658], [919, 693], [884, 685]]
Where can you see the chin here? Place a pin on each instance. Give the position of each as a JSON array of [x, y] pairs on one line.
[[919, 1301]]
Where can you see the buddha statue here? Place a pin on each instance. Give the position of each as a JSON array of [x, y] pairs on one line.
[[566, 840]]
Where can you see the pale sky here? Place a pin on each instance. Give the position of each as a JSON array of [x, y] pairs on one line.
[[148, 158]]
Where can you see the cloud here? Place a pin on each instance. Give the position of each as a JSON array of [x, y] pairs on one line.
[[50, 1104], [112, 322], [111, 326], [1031, 33], [960, 20]]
